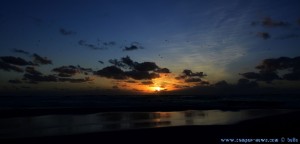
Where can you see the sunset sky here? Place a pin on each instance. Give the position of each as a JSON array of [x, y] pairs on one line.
[[147, 46]]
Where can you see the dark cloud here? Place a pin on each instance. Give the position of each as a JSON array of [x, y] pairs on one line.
[[189, 74], [39, 78], [130, 81], [21, 51], [271, 65], [82, 70], [147, 83], [142, 75], [251, 75], [127, 61], [221, 84], [115, 87], [15, 60], [101, 62], [66, 32], [41, 60], [269, 22], [262, 76], [32, 71], [66, 71], [8, 67], [204, 82], [293, 76], [133, 46], [135, 70], [69, 71], [263, 35], [269, 68], [117, 63], [245, 83], [111, 72], [111, 43], [73, 80], [16, 81], [190, 77], [163, 70], [188, 80], [130, 48], [91, 46], [146, 66]]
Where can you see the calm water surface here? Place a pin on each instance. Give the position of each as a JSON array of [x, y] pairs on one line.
[[49, 125]]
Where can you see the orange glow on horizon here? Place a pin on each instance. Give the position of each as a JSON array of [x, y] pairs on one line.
[[166, 82]]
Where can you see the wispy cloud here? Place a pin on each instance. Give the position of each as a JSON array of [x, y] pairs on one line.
[[133, 46], [66, 32], [21, 51], [15, 60], [41, 60], [264, 35], [91, 46]]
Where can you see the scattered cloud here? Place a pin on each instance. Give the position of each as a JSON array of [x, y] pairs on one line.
[[73, 80], [130, 81], [101, 62], [245, 83], [39, 78], [111, 43], [221, 84], [147, 83], [163, 70], [69, 71], [133, 46], [15, 81], [146, 66], [142, 75], [269, 68], [127, 63], [41, 60], [134, 70], [91, 46], [269, 22], [111, 72], [66, 32], [190, 77], [115, 87], [263, 35], [15, 61], [188, 80], [32, 71], [8, 67], [116, 63], [21, 51]]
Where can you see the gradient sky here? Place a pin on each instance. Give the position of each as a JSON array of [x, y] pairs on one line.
[[215, 39]]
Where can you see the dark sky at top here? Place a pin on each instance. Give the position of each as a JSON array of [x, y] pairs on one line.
[[113, 46]]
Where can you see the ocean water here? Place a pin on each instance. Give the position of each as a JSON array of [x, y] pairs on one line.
[[68, 124], [203, 101]]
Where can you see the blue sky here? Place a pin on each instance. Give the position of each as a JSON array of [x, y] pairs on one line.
[[219, 38]]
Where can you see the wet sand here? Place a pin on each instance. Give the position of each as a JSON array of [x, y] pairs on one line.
[[284, 125]]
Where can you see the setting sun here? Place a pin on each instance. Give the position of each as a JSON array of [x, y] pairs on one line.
[[157, 88]]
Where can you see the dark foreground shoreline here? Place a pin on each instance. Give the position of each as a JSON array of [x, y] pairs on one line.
[[284, 125]]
